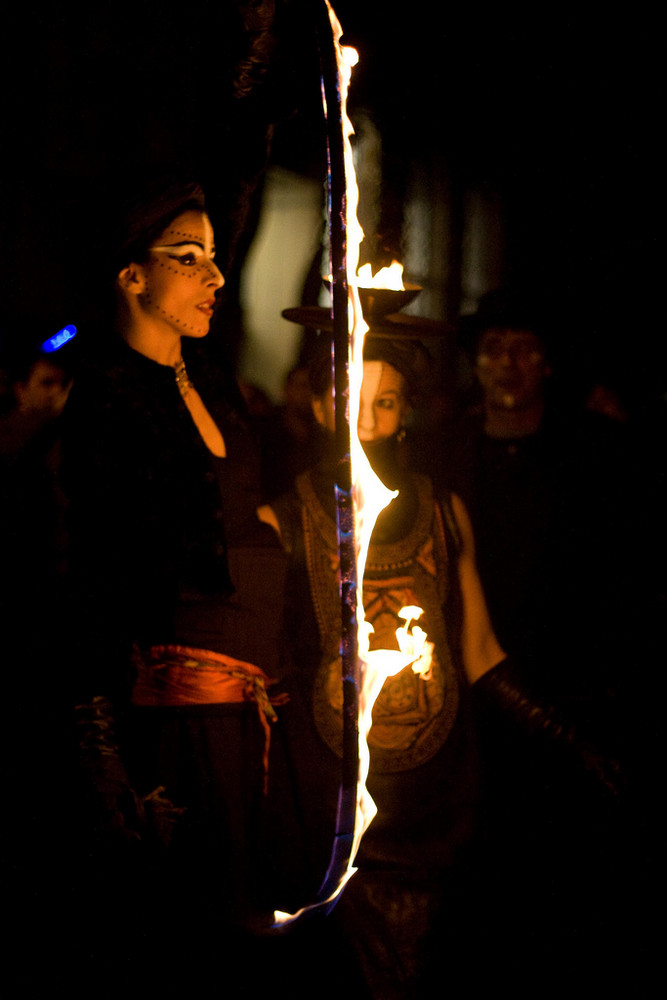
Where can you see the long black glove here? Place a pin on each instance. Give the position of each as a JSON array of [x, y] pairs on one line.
[[117, 813], [503, 693]]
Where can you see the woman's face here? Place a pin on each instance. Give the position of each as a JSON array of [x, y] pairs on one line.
[[382, 403], [511, 368], [382, 406], [181, 277]]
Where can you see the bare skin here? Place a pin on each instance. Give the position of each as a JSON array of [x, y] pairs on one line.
[[170, 296], [480, 647]]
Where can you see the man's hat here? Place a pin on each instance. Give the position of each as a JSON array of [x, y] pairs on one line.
[[509, 308]]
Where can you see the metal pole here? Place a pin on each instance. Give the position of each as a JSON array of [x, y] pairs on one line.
[[337, 197]]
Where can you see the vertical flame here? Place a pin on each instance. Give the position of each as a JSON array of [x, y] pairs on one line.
[[369, 496]]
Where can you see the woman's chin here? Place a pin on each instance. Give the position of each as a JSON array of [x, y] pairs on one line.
[[197, 333]]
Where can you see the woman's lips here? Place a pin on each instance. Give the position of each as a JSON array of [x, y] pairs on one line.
[[207, 307]]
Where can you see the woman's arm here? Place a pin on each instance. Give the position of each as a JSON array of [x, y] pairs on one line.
[[480, 647], [268, 516], [502, 692]]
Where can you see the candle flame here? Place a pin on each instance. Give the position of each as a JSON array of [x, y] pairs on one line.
[[386, 277]]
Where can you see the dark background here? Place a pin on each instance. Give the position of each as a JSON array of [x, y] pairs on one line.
[[558, 113], [555, 111]]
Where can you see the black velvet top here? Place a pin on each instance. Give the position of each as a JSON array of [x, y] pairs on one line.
[[154, 515]]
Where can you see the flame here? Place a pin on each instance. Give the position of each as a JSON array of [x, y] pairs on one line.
[[386, 277], [413, 644], [378, 665], [370, 495]]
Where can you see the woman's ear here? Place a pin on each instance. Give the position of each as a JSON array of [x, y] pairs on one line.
[[323, 408], [132, 279], [318, 410]]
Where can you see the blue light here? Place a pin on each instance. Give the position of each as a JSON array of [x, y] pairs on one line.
[[58, 339]]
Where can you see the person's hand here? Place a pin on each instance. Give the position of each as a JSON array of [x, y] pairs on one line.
[[162, 816], [115, 811], [503, 692], [117, 814]]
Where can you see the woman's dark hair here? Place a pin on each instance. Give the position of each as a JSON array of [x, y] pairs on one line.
[[146, 214], [127, 219], [408, 356]]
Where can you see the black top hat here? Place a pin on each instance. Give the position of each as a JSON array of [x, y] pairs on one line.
[[509, 308]]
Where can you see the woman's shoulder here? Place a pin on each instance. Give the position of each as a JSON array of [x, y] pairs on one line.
[[109, 421], [100, 393], [431, 495], [447, 507], [108, 369]]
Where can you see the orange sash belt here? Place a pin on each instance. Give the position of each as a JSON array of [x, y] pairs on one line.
[[183, 675]]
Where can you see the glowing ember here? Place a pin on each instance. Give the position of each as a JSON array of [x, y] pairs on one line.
[[386, 277]]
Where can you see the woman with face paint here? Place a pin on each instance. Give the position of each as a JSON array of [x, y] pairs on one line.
[[175, 584], [422, 879], [423, 772]]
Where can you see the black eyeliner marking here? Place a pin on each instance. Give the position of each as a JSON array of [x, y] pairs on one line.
[[183, 243]]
